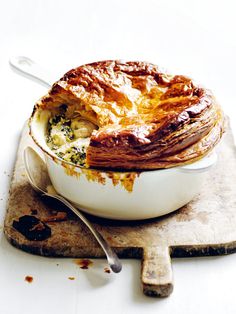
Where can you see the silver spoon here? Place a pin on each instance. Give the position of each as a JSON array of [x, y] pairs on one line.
[[39, 179], [32, 70]]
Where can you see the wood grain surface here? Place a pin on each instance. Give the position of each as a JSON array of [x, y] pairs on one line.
[[206, 226]]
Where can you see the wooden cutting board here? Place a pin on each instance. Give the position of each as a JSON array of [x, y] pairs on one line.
[[206, 226]]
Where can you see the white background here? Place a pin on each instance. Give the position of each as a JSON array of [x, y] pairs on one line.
[[196, 38]]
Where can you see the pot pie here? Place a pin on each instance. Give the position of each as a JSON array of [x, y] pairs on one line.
[[129, 116]]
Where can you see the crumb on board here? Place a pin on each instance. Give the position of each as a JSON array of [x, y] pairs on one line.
[[29, 279], [83, 263], [71, 278], [107, 270], [59, 216]]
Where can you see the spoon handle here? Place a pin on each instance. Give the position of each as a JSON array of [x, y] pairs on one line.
[[112, 258], [31, 69]]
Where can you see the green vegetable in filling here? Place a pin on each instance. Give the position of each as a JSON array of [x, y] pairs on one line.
[[76, 155]]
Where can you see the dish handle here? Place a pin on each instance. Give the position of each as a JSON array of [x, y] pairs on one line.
[[27, 67]]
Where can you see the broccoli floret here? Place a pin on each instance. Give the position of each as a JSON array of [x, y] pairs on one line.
[[76, 155], [67, 131], [56, 119], [60, 124], [60, 154]]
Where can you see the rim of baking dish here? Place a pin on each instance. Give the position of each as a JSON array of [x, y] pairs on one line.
[[184, 167]]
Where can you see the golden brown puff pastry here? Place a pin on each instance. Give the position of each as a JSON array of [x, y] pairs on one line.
[[146, 119]]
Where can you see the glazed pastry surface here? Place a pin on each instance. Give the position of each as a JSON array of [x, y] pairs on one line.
[[142, 118]]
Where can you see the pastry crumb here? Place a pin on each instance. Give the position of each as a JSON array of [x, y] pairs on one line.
[[29, 279], [107, 270], [59, 216], [71, 278], [83, 263]]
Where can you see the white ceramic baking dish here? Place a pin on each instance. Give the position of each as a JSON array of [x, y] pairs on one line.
[[121, 195], [154, 193]]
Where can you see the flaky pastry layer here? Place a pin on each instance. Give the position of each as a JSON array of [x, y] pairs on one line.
[[146, 119]]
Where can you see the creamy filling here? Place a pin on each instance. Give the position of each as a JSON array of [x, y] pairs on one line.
[[69, 138]]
